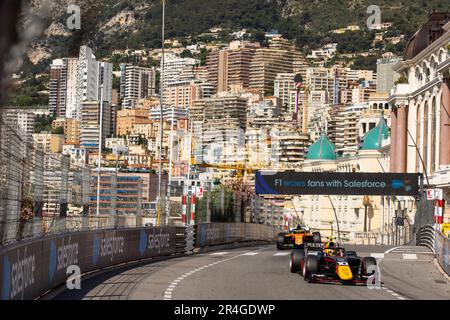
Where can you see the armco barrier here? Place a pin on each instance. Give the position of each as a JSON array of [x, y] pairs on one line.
[[210, 234], [426, 237], [442, 250], [30, 269]]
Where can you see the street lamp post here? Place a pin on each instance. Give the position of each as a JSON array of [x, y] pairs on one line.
[[331, 229], [400, 205], [337, 220], [397, 207], [366, 203]]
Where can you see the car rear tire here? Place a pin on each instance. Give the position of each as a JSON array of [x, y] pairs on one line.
[[280, 241], [311, 266], [297, 256], [317, 237], [369, 262]]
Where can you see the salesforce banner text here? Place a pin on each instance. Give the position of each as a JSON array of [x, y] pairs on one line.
[[336, 183]]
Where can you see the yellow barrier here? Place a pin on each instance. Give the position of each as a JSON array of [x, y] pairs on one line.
[[446, 229]]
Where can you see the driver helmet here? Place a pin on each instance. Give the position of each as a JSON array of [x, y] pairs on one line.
[[330, 245]]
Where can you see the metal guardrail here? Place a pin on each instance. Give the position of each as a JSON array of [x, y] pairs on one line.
[[425, 236], [436, 241], [442, 251]]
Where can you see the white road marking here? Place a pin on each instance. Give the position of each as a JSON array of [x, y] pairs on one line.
[[390, 250], [394, 294], [409, 256], [219, 253], [281, 254], [251, 253], [172, 286], [377, 255]]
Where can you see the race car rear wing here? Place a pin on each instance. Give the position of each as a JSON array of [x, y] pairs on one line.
[[313, 246]]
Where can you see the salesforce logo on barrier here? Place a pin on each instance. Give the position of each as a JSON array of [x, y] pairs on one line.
[[155, 241], [52, 261], [95, 249], [18, 276], [6, 279], [142, 242], [62, 257]]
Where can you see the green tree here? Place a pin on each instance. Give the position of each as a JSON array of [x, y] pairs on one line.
[[58, 130], [43, 123], [186, 54]]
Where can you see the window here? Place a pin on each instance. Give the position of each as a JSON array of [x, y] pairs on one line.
[[418, 76]]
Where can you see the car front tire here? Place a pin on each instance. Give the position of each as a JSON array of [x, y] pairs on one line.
[[311, 266], [369, 263]]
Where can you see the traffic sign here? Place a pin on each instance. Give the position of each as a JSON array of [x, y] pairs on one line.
[[435, 194], [199, 192]]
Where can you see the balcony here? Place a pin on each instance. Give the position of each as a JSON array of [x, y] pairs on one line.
[[401, 89], [441, 178]]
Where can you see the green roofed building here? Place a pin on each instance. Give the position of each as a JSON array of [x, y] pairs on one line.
[[374, 138], [322, 149]]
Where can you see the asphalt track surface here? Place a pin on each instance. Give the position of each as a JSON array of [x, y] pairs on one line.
[[262, 273]]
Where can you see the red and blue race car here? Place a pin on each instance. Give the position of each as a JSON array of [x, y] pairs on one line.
[[331, 263]]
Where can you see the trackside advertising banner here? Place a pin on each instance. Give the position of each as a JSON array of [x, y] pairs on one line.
[[31, 268], [336, 183]]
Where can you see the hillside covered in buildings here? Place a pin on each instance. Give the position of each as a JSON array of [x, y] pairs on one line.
[[136, 24], [256, 86]]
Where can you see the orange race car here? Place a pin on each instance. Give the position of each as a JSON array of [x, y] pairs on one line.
[[297, 238]]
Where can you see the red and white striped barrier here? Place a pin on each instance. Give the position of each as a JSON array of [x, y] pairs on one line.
[[184, 210], [286, 223], [438, 206], [194, 199]]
